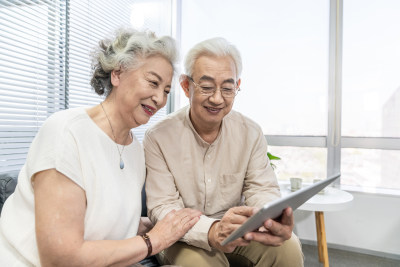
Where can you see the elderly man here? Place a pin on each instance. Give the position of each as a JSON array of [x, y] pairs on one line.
[[210, 158]]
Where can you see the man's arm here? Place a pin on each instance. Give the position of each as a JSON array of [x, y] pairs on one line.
[[260, 184], [163, 195], [260, 187]]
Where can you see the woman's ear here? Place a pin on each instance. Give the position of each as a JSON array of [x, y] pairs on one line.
[[184, 81], [115, 77]]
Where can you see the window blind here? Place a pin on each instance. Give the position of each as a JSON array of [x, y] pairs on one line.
[[45, 63], [32, 73], [90, 21]]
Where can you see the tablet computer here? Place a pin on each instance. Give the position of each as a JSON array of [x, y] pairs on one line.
[[273, 210]]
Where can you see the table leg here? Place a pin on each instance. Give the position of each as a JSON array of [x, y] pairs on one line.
[[321, 238]]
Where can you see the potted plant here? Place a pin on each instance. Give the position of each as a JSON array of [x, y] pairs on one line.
[[271, 158]]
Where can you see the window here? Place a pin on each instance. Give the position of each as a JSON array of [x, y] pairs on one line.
[[45, 63], [371, 94], [320, 77], [32, 73], [284, 47]]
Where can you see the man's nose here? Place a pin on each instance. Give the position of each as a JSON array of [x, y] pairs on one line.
[[217, 97]]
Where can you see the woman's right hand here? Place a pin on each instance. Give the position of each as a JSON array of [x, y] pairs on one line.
[[172, 227]]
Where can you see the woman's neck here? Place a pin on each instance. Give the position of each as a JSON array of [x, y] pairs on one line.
[[106, 118]]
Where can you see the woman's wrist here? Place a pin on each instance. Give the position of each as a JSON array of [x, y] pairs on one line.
[[146, 239]]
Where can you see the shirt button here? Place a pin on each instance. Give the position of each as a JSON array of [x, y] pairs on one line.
[[208, 156], [208, 204], [209, 180]]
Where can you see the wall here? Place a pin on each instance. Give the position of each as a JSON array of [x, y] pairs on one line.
[[371, 225]]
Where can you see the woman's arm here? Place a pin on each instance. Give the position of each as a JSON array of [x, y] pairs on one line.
[[60, 207]]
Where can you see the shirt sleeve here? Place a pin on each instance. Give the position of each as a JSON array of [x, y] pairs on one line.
[[54, 147], [260, 184], [163, 196]]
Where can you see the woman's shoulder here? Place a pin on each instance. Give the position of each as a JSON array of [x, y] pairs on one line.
[[58, 125], [67, 115], [66, 118]]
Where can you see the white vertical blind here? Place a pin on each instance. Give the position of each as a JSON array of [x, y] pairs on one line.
[[31, 73], [90, 21], [45, 62]]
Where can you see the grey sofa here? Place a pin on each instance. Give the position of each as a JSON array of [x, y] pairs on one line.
[[8, 182]]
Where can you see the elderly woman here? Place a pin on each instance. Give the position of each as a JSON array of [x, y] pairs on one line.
[[78, 198]]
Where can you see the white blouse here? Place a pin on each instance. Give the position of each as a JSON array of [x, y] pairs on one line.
[[74, 145]]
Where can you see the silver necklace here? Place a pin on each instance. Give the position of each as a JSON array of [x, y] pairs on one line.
[[121, 162]]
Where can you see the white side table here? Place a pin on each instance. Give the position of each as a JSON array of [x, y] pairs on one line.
[[333, 199]]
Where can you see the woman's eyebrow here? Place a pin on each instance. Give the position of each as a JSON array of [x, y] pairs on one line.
[[155, 74]]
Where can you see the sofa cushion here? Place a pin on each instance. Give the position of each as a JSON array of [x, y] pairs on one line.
[[8, 182]]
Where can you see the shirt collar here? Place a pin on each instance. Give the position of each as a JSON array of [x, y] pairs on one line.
[[198, 137]]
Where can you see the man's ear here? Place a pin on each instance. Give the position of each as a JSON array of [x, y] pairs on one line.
[[184, 81], [115, 77], [238, 82]]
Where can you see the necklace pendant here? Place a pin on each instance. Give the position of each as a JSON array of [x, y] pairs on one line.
[[121, 164]]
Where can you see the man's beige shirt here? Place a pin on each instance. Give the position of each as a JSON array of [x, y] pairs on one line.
[[185, 171]]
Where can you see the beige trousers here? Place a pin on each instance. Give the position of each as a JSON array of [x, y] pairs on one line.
[[255, 254]]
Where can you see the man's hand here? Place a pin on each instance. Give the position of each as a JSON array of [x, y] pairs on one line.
[[220, 230], [274, 233]]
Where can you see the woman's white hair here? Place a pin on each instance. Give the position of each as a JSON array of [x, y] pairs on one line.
[[128, 50], [218, 47]]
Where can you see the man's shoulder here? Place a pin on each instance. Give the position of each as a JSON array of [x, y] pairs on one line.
[[172, 122], [238, 120]]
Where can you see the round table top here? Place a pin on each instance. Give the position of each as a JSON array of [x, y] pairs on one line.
[[331, 200]]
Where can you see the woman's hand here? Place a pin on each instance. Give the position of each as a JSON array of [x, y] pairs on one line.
[[172, 227]]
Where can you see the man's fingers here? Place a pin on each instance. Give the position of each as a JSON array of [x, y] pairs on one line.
[[287, 217], [264, 238], [277, 229], [244, 210]]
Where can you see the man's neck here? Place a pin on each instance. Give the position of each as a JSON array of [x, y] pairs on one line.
[[207, 132]]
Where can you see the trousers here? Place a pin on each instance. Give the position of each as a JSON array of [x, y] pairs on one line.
[[254, 255]]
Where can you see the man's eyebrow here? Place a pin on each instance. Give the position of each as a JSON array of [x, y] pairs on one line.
[[230, 80], [206, 78], [211, 79], [155, 74]]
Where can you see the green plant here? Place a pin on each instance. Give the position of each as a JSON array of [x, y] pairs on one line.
[[271, 158]]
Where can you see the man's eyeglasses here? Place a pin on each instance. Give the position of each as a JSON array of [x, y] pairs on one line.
[[227, 91]]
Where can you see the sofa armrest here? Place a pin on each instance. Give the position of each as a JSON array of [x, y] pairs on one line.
[[8, 182]]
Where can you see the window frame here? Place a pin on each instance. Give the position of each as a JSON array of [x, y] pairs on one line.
[[334, 141], [15, 142]]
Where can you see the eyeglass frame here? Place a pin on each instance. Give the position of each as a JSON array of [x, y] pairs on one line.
[[237, 89]]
